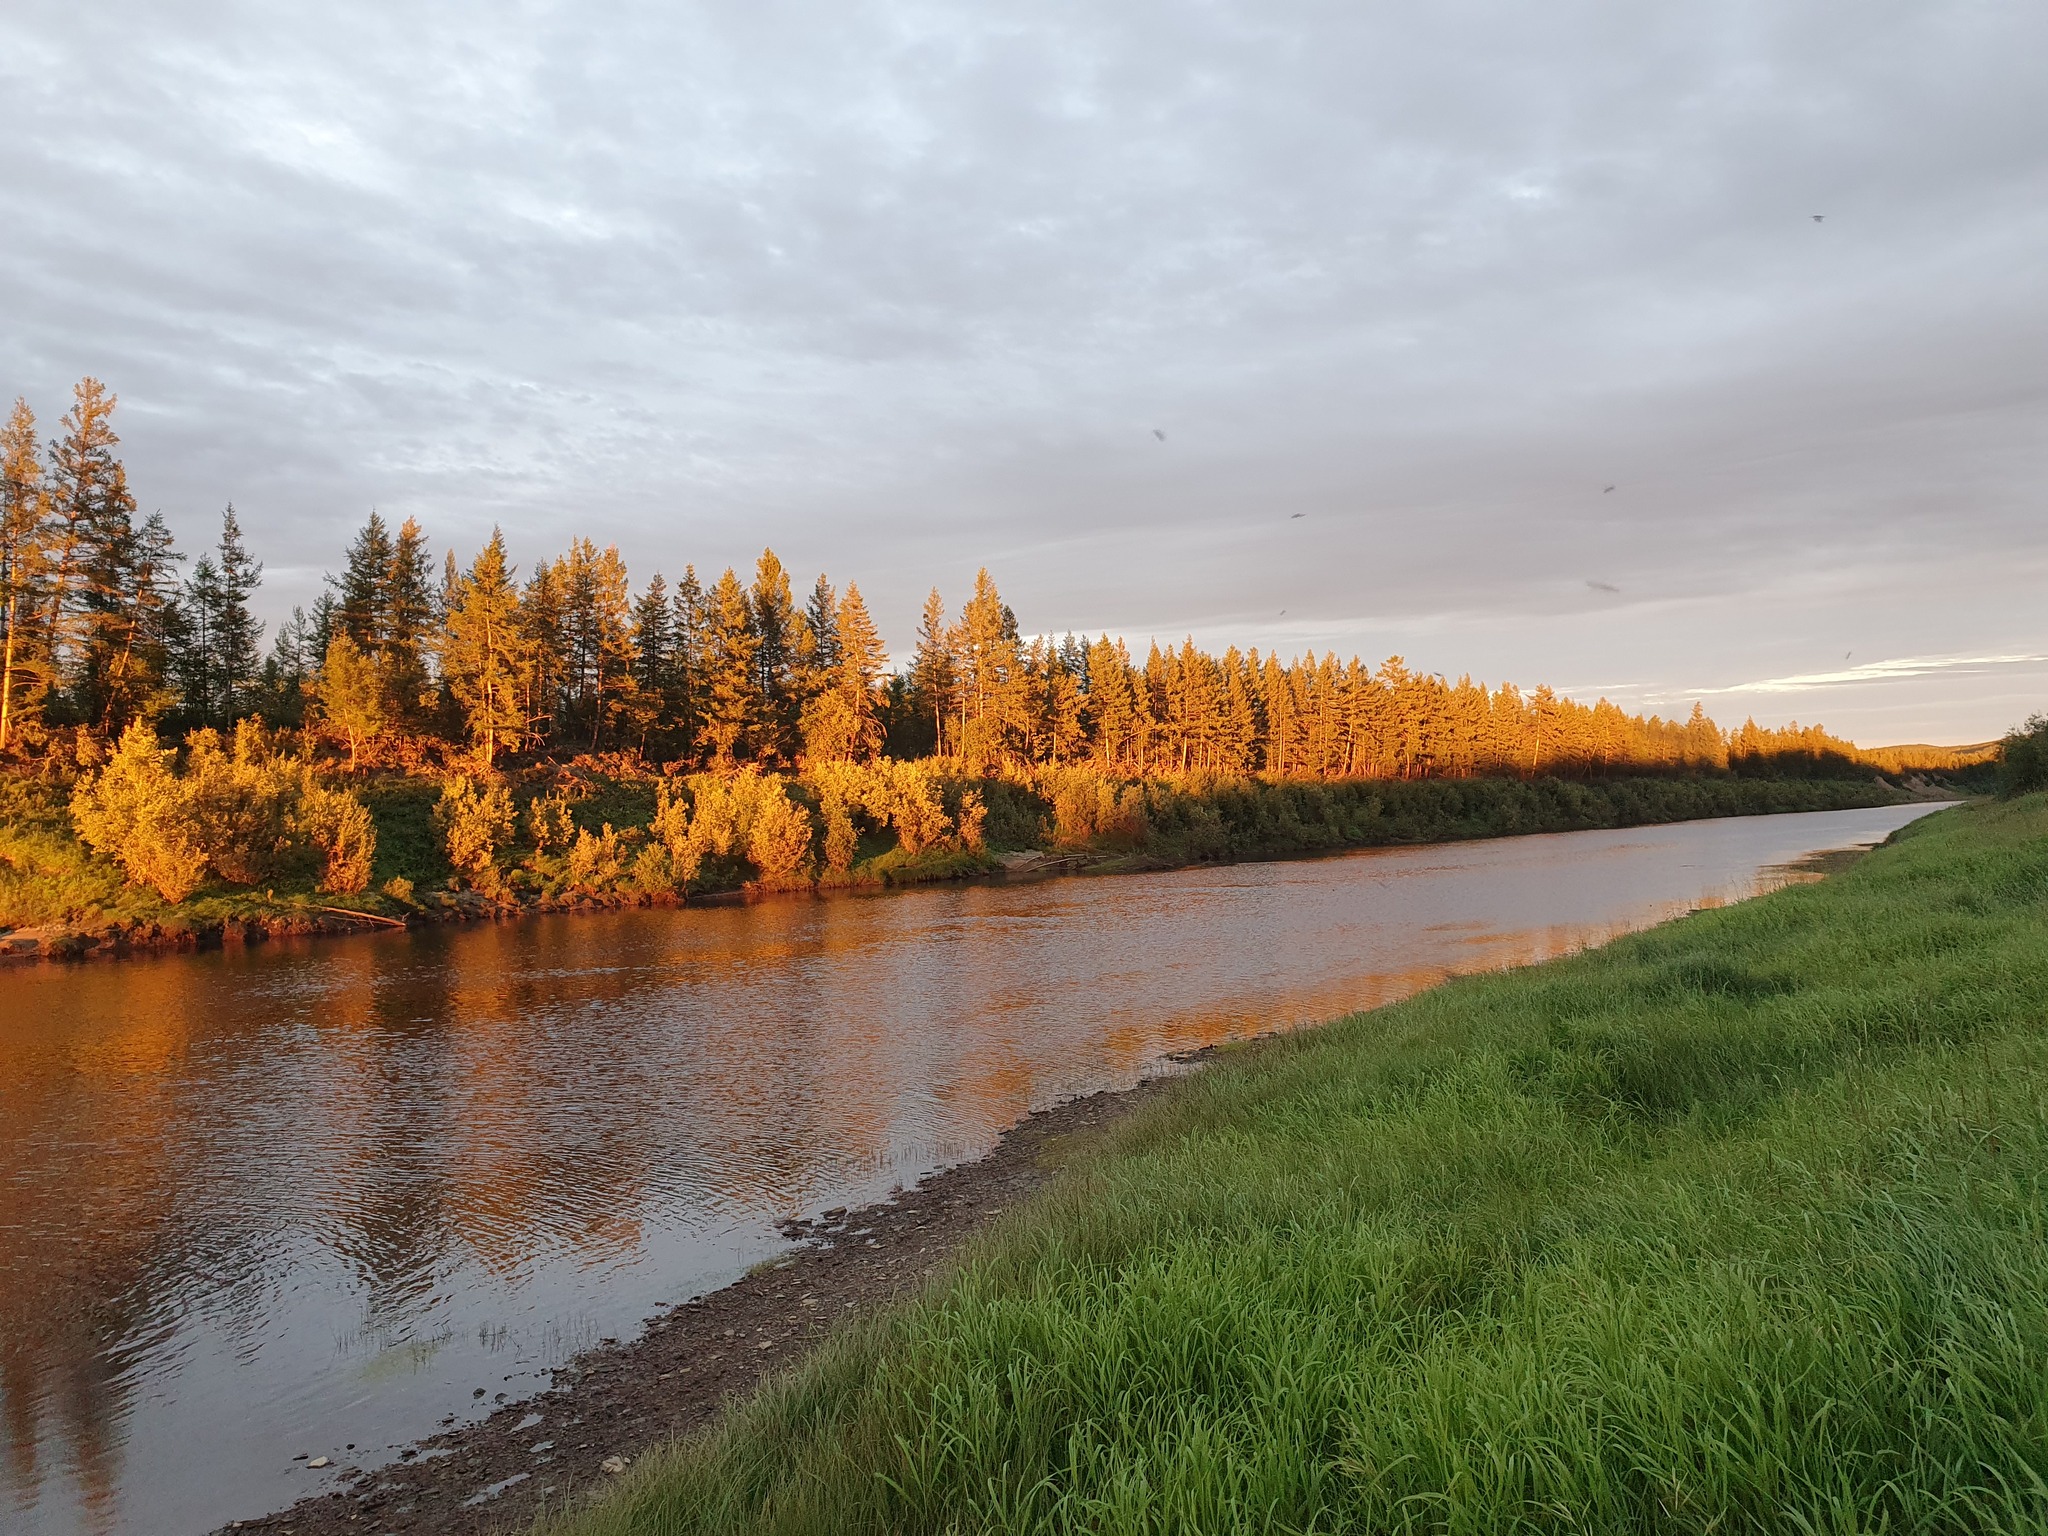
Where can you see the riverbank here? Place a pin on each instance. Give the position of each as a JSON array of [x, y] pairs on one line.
[[1733, 1224], [620, 1401], [61, 901]]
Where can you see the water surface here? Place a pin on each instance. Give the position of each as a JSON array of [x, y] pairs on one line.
[[283, 1201]]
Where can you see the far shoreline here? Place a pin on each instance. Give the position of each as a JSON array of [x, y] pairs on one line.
[[308, 920]]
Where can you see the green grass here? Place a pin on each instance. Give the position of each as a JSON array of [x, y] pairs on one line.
[[1735, 1225]]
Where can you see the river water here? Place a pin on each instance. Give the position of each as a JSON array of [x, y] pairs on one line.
[[301, 1198]]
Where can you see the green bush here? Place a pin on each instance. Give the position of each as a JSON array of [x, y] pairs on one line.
[[2023, 758]]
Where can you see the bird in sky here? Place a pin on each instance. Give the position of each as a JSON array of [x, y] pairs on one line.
[[1602, 586], [1818, 217], [1604, 492], [1159, 434], [1298, 514]]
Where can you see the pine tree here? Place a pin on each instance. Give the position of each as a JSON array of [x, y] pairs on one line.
[[484, 656], [24, 665]]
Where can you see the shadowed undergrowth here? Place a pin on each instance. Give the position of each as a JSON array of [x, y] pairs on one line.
[[1733, 1225]]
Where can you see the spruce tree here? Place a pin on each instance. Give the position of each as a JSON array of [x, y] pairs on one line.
[[410, 611], [195, 665], [104, 578], [653, 667], [238, 634], [363, 590], [686, 666], [543, 609]]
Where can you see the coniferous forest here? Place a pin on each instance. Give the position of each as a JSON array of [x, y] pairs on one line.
[[441, 726]]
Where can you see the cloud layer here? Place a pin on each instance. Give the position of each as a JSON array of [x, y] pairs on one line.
[[907, 289]]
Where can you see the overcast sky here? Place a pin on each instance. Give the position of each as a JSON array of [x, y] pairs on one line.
[[902, 290]]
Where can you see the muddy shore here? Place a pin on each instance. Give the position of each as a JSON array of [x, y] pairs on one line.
[[622, 1399]]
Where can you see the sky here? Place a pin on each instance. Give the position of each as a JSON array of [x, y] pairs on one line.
[[1665, 352]]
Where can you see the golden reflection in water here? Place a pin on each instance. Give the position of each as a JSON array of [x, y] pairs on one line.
[[384, 1143]]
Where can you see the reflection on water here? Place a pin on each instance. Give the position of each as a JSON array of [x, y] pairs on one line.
[[289, 1200]]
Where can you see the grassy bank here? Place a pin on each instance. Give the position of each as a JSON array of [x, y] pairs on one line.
[[611, 843], [1734, 1225]]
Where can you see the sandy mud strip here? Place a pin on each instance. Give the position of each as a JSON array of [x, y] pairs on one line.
[[619, 1400]]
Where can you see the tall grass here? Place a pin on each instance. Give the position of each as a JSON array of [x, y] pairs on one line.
[[1736, 1225]]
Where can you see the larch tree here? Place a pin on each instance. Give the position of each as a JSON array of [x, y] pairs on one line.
[[933, 673], [484, 655], [25, 673], [842, 720], [351, 695], [779, 658], [732, 702]]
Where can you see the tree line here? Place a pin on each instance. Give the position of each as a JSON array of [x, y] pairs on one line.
[[400, 663]]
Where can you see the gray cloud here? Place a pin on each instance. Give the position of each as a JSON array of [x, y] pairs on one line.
[[905, 289]]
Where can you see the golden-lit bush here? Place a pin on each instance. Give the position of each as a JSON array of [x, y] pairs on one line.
[[339, 826], [136, 812], [243, 802], [550, 823], [475, 818], [779, 839], [596, 863]]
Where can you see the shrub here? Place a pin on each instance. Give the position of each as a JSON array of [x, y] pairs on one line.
[[779, 841], [674, 832], [595, 863], [398, 888], [842, 839], [2023, 758], [246, 815], [973, 813], [475, 817], [550, 823], [337, 823], [242, 803], [137, 812]]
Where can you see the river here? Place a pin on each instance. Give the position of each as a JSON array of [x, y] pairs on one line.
[[320, 1198]]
